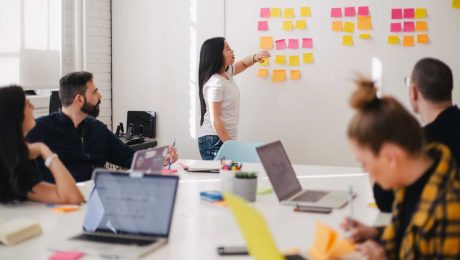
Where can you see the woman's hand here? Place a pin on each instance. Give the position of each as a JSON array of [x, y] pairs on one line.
[[258, 57], [372, 250], [358, 231], [38, 150]]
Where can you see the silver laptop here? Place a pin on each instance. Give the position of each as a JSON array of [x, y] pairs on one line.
[[127, 215], [149, 161], [286, 185]]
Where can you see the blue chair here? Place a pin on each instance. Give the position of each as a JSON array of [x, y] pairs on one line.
[[239, 151]]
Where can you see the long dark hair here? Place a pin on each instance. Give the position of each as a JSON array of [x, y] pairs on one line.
[[211, 61]]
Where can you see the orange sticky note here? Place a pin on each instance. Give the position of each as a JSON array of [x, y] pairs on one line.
[[305, 11], [365, 36], [337, 26], [349, 27], [422, 38], [301, 24], [279, 75], [327, 244], [455, 3], [275, 12], [280, 59], [308, 58], [347, 40], [265, 62], [408, 40], [295, 75], [65, 209], [288, 13], [288, 26], [263, 73], [266, 42], [393, 39], [294, 61], [420, 13], [364, 23], [421, 26]]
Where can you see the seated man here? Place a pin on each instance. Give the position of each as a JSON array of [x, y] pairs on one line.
[[81, 141], [430, 91]]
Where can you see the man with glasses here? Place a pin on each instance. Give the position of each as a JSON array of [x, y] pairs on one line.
[[430, 92]]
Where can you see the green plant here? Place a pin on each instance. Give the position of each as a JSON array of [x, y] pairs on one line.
[[246, 175]]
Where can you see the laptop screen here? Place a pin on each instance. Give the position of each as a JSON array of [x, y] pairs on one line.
[[134, 204], [149, 160], [279, 170]]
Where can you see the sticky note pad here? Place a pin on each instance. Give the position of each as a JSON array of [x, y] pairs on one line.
[[265, 12], [409, 26], [66, 255], [294, 61], [263, 73], [305, 11], [420, 13], [65, 209], [288, 26], [408, 40], [421, 26], [280, 44], [349, 27], [350, 11], [279, 75], [365, 36], [266, 42], [293, 44], [280, 59], [364, 23], [422, 38], [275, 12], [328, 245], [265, 62], [395, 27], [363, 11], [409, 13], [308, 58], [393, 39], [288, 13], [455, 3], [396, 13], [307, 43], [262, 26], [336, 12], [295, 75], [347, 40], [337, 26], [301, 24]]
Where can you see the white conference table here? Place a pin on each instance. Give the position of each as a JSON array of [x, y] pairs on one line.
[[199, 227]]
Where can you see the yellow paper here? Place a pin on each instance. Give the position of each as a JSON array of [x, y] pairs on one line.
[[420, 13], [294, 61], [327, 244], [266, 42], [288, 26], [295, 75], [364, 23], [280, 59], [263, 73], [279, 75], [301, 24], [305, 11], [422, 38], [365, 36], [408, 40], [456, 3], [255, 231], [275, 12], [308, 58], [265, 62], [349, 27], [288, 13], [393, 39], [347, 40], [337, 26], [421, 26], [372, 205]]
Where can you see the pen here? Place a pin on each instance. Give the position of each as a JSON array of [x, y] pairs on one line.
[[170, 159], [350, 202]]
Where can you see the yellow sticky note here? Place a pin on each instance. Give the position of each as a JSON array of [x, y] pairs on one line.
[[349, 27], [328, 245], [347, 40], [422, 38], [308, 58], [254, 228], [275, 12], [279, 75], [294, 61], [266, 42], [408, 40], [420, 13], [305, 11], [337, 26], [295, 75], [288, 26], [365, 36], [265, 62], [288, 13], [364, 23], [263, 73], [372, 205], [280, 59], [301, 24], [393, 39], [455, 3], [421, 26]]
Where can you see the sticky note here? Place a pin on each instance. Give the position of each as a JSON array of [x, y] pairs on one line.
[[395, 27], [280, 44], [305, 11], [337, 26], [350, 11], [288, 13], [422, 38], [363, 11], [262, 26], [393, 39], [420, 13], [365, 36], [279, 75], [308, 58], [280, 59], [265, 12], [328, 245], [307, 43], [275, 12], [66, 255], [293, 44], [295, 75], [347, 40], [409, 13], [396, 13], [408, 40], [409, 26], [455, 3], [65, 209], [336, 12], [294, 61], [421, 26], [349, 27], [266, 42], [263, 73], [265, 62], [364, 23], [301, 24], [288, 26]]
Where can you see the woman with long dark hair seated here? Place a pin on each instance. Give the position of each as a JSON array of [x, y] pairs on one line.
[[19, 179]]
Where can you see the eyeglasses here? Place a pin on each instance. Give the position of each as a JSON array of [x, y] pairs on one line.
[[407, 81]]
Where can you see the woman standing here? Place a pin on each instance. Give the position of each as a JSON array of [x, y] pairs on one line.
[[219, 94]]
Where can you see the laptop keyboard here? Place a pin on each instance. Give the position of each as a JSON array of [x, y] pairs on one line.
[[114, 240], [310, 196]]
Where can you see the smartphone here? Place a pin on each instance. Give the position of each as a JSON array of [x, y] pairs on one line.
[[232, 250], [311, 209]]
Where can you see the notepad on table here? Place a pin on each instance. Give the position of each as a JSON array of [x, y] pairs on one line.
[[204, 166], [17, 230]]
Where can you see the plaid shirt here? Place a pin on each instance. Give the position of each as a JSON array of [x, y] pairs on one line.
[[434, 230]]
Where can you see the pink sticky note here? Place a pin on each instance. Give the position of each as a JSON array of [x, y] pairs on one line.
[[409, 13], [396, 27], [66, 255], [396, 13], [293, 44], [265, 12], [263, 26], [409, 26], [350, 11], [363, 11], [336, 12], [280, 44], [307, 43]]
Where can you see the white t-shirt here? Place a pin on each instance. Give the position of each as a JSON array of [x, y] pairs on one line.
[[220, 89]]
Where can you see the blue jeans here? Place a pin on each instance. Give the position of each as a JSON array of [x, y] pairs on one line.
[[209, 145]]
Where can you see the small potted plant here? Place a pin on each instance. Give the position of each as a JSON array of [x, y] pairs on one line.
[[245, 185]]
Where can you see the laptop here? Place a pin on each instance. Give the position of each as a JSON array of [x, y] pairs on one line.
[[149, 160], [128, 215], [286, 185]]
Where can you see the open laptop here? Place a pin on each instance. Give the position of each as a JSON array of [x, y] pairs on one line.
[[286, 185], [149, 160], [127, 215]]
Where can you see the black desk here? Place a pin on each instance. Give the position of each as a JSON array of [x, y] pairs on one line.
[[146, 144]]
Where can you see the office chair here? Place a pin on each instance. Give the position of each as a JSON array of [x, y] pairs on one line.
[[55, 102], [239, 151]]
